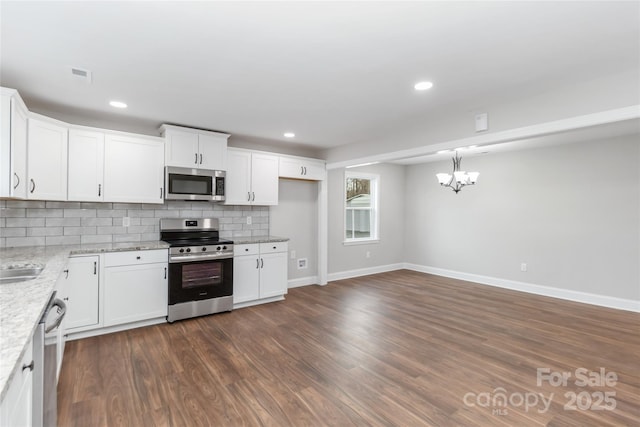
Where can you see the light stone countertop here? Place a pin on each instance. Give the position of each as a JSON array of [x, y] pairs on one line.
[[23, 303], [261, 239]]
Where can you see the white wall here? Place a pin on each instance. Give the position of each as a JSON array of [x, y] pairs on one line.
[[571, 212], [390, 248], [296, 217]]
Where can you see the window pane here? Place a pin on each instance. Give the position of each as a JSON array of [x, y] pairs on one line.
[[358, 224], [358, 192]]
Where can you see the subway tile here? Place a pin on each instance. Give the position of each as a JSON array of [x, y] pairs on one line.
[[226, 234], [3, 222], [63, 205], [260, 219], [78, 231], [44, 213], [113, 213], [243, 233], [3, 203], [239, 220], [139, 213], [24, 241], [149, 237], [3, 242], [79, 213], [259, 233], [24, 222], [26, 204], [86, 222], [141, 229], [44, 231], [13, 212], [232, 213], [62, 222], [149, 221], [62, 240], [119, 238], [152, 207], [177, 205], [211, 214], [167, 214], [96, 205], [104, 238], [13, 232], [126, 206], [112, 230], [228, 220], [190, 214]]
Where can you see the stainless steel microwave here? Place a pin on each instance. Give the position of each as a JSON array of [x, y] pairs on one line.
[[194, 184]]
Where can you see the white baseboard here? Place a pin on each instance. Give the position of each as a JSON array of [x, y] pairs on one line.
[[566, 294], [302, 281], [364, 271], [72, 335]]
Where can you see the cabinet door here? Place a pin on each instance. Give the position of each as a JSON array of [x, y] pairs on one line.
[[18, 151], [135, 292], [47, 161], [238, 178], [182, 148], [273, 274], [133, 170], [80, 291], [314, 171], [213, 151], [290, 168], [246, 279], [86, 165], [17, 406], [264, 179]]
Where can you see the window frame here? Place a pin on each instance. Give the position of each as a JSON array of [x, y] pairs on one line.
[[374, 189]]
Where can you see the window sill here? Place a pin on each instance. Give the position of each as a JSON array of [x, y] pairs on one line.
[[360, 242]]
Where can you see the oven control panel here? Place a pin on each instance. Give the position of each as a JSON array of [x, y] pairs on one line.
[[195, 253]]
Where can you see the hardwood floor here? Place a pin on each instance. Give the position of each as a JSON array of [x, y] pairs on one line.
[[400, 348]]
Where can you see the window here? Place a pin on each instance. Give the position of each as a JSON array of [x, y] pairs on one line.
[[361, 207]]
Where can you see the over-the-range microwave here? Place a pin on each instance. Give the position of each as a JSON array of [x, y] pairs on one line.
[[194, 184]]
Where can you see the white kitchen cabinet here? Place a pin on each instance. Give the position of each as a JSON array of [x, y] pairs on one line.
[[302, 168], [194, 148], [13, 145], [252, 178], [86, 165], [133, 169], [135, 286], [47, 159], [80, 291], [259, 272], [16, 408]]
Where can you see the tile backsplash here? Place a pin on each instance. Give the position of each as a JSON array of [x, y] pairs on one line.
[[38, 223]]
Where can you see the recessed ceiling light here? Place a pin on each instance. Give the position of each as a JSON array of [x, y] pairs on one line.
[[444, 151], [423, 86], [118, 104], [289, 134]]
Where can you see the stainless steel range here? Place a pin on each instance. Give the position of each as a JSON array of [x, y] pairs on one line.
[[200, 268]]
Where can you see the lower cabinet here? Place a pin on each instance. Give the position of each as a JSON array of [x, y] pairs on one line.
[[259, 272], [80, 290], [135, 286], [17, 406]]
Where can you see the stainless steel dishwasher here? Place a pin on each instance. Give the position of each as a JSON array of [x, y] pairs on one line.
[[45, 370]]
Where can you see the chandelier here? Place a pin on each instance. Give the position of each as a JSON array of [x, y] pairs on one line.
[[459, 178]]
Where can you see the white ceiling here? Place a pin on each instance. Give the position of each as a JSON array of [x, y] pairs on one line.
[[334, 72]]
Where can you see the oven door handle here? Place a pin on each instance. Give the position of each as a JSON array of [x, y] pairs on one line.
[[188, 258], [199, 279]]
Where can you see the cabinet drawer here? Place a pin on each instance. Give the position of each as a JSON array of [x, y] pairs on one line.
[[251, 249], [135, 257], [273, 247]]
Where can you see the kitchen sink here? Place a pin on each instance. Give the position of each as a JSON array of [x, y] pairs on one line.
[[20, 273]]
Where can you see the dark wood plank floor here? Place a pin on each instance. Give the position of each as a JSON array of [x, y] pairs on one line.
[[400, 348]]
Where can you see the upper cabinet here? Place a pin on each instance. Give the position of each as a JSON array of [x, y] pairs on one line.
[[301, 168], [193, 148], [252, 178], [133, 169], [13, 145], [86, 165], [46, 159]]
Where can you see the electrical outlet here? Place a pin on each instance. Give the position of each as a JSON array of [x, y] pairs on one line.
[[302, 263], [523, 266], [126, 221], [368, 254], [248, 220], [293, 254]]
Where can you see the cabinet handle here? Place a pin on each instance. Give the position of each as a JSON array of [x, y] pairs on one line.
[[248, 196], [137, 257], [99, 190], [301, 170], [254, 196], [165, 272], [261, 263], [257, 263], [196, 162], [246, 250], [18, 180], [65, 299], [95, 268], [30, 366], [274, 247], [67, 273], [161, 192], [33, 185], [200, 158]]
